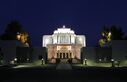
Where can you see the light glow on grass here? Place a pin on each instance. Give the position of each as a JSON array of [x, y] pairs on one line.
[[23, 66]]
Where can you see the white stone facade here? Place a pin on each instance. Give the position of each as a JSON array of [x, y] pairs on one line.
[[64, 36], [64, 44]]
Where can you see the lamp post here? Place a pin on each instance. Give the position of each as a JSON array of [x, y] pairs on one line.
[[27, 59], [112, 61], [15, 60], [85, 60], [100, 60], [42, 61]]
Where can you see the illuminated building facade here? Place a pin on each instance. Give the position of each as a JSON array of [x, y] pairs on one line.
[[64, 44]]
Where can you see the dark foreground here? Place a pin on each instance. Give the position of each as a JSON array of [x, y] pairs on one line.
[[76, 74]]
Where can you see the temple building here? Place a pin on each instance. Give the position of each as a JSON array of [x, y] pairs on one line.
[[63, 44]]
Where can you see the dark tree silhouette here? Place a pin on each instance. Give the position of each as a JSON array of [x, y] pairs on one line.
[[29, 41], [117, 33], [11, 31], [111, 33], [14, 31]]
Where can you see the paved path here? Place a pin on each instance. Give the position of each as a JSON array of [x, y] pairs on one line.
[[64, 66]]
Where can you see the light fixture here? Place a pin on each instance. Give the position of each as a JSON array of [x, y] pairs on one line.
[[15, 59]]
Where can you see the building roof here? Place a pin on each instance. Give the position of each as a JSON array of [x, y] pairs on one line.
[[64, 30]]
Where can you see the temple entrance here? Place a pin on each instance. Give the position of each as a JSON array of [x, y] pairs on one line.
[[63, 53], [64, 56]]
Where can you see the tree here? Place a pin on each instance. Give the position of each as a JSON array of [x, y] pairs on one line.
[[11, 30], [110, 33], [117, 33], [14, 31]]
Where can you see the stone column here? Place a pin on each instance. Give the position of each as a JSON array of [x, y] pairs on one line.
[[65, 55]]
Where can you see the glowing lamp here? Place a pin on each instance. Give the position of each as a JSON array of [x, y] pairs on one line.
[[15, 59]]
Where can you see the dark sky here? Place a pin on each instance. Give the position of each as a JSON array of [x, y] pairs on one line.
[[86, 17]]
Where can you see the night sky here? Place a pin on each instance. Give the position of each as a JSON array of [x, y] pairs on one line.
[[87, 17]]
